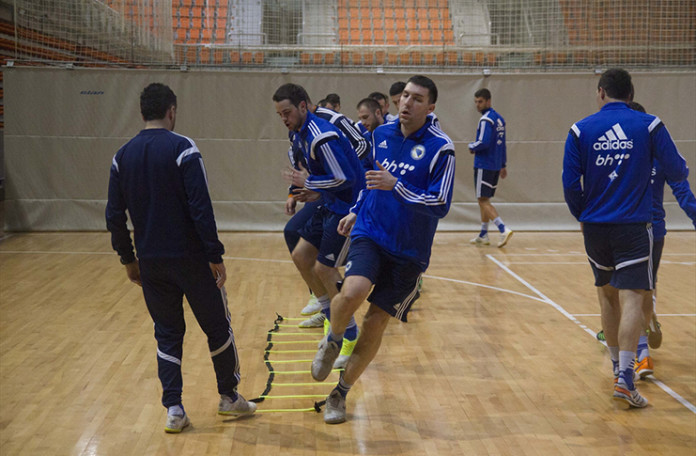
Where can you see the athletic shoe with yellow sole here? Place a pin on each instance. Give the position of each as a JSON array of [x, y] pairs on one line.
[[654, 332], [644, 368], [479, 240], [505, 237], [312, 306], [177, 420]]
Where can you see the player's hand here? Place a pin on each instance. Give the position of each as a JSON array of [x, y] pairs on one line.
[[305, 195], [471, 151], [380, 179], [295, 177], [219, 273], [503, 173], [346, 224], [133, 273], [290, 205]]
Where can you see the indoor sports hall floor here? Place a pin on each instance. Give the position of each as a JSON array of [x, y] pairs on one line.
[[499, 357]]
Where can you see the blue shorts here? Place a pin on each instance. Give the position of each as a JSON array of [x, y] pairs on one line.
[[620, 254], [322, 232], [486, 181], [395, 279]]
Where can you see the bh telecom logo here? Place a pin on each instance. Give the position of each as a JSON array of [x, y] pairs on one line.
[[393, 167], [613, 139]]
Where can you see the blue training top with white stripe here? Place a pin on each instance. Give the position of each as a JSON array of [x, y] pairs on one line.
[[159, 177], [403, 221], [334, 168], [608, 161], [490, 151]]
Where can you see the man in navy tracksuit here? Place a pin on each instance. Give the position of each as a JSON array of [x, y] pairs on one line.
[[606, 179], [159, 178]]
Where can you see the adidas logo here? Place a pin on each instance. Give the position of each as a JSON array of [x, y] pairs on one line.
[[613, 139], [383, 144], [331, 257]]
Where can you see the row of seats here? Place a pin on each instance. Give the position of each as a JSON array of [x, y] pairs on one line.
[[199, 21], [623, 23], [405, 25]]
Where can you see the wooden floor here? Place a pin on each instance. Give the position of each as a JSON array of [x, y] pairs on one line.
[[499, 357]]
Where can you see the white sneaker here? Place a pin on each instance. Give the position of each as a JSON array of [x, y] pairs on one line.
[[324, 359], [177, 420], [315, 321], [478, 240], [312, 306], [238, 408], [505, 237], [335, 411]]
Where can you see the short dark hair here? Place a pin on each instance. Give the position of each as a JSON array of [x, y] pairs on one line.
[[370, 103], [616, 82], [293, 92], [378, 96], [155, 100], [483, 93], [396, 88], [333, 98], [322, 102], [636, 106], [428, 83]]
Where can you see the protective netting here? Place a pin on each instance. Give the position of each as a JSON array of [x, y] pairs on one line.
[[503, 34]]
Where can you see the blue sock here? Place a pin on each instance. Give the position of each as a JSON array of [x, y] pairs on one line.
[[337, 338], [342, 386], [643, 350], [499, 223], [626, 366], [351, 330], [484, 229]]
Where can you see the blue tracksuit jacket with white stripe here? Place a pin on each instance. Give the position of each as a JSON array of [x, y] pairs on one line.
[[403, 221], [489, 148], [608, 161], [348, 128], [334, 168], [159, 177]]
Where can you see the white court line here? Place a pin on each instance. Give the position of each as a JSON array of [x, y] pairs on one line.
[[483, 286], [659, 315], [581, 254], [683, 263], [572, 318]]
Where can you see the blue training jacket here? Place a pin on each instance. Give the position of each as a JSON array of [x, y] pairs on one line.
[[608, 161], [159, 177], [682, 192], [403, 221], [489, 148], [334, 168]]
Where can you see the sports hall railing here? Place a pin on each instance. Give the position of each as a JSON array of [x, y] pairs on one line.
[[360, 35]]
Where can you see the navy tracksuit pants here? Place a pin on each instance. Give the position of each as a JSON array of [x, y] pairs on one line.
[[165, 282]]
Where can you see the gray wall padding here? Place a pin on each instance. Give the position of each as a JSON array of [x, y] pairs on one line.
[[63, 126]]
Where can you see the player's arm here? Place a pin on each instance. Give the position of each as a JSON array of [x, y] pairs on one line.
[[116, 218], [671, 162], [685, 197], [200, 205], [357, 140], [435, 200], [485, 134], [572, 173], [339, 174]]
